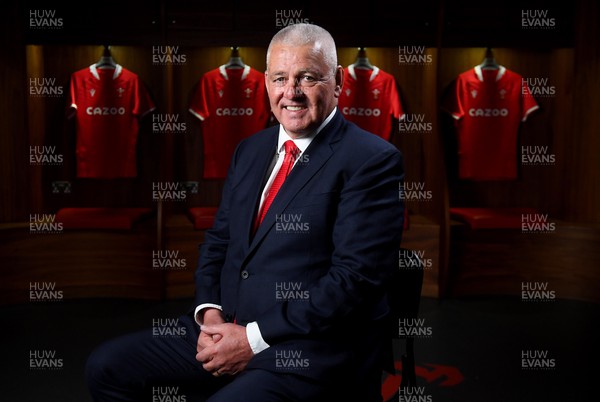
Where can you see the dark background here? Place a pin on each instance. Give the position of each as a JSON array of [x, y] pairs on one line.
[[471, 293]]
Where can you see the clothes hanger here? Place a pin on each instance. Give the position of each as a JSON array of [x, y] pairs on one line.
[[235, 61], [362, 61], [489, 62], [106, 61]]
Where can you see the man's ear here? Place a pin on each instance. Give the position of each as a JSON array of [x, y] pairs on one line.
[[267, 81], [339, 80]]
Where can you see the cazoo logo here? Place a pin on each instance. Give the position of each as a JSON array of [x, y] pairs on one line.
[[361, 111], [235, 111], [488, 112], [105, 111]]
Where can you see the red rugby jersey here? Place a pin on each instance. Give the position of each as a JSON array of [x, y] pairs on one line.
[[488, 107], [108, 105], [232, 104], [370, 99]]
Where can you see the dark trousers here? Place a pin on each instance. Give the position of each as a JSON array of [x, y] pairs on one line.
[[150, 366]]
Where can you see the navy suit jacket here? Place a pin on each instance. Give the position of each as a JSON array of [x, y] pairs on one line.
[[314, 274]]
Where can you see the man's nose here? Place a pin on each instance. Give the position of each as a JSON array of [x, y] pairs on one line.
[[292, 89]]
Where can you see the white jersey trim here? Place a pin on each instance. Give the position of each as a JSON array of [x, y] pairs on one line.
[[374, 72], [223, 71], [94, 71], [479, 74], [529, 111], [196, 114]]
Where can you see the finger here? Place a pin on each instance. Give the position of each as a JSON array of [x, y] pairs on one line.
[[212, 331], [204, 356], [210, 367], [204, 341], [208, 329]]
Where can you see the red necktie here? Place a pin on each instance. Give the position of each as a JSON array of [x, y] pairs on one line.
[[291, 152]]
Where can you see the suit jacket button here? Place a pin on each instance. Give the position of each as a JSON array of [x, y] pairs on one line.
[[245, 274]]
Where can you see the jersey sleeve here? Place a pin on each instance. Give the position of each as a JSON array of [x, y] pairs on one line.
[[396, 103], [143, 101], [71, 105], [451, 102], [267, 108], [528, 103], [199, 102]]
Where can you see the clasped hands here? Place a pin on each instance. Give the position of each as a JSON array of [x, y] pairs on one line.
[[223, 348]]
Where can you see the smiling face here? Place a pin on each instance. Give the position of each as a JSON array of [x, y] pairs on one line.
[[303, 89]]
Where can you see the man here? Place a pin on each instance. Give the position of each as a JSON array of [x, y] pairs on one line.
[[290, 283]]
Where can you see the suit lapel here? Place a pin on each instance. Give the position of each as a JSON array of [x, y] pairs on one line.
[[264, 156], [315, 156]]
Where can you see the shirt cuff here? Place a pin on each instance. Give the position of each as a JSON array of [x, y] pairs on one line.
[[255, 339], [203, 306]]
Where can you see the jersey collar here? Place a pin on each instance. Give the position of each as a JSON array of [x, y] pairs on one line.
[[223, 71], [479, 74], [374, 72], [94, 71]]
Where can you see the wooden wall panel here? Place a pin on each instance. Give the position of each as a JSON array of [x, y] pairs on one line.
[[14, 141], [582, 192]]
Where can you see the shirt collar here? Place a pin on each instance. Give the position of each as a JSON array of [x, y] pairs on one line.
[[94, 71], [479, 72], [304, 142], [223, 71]]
